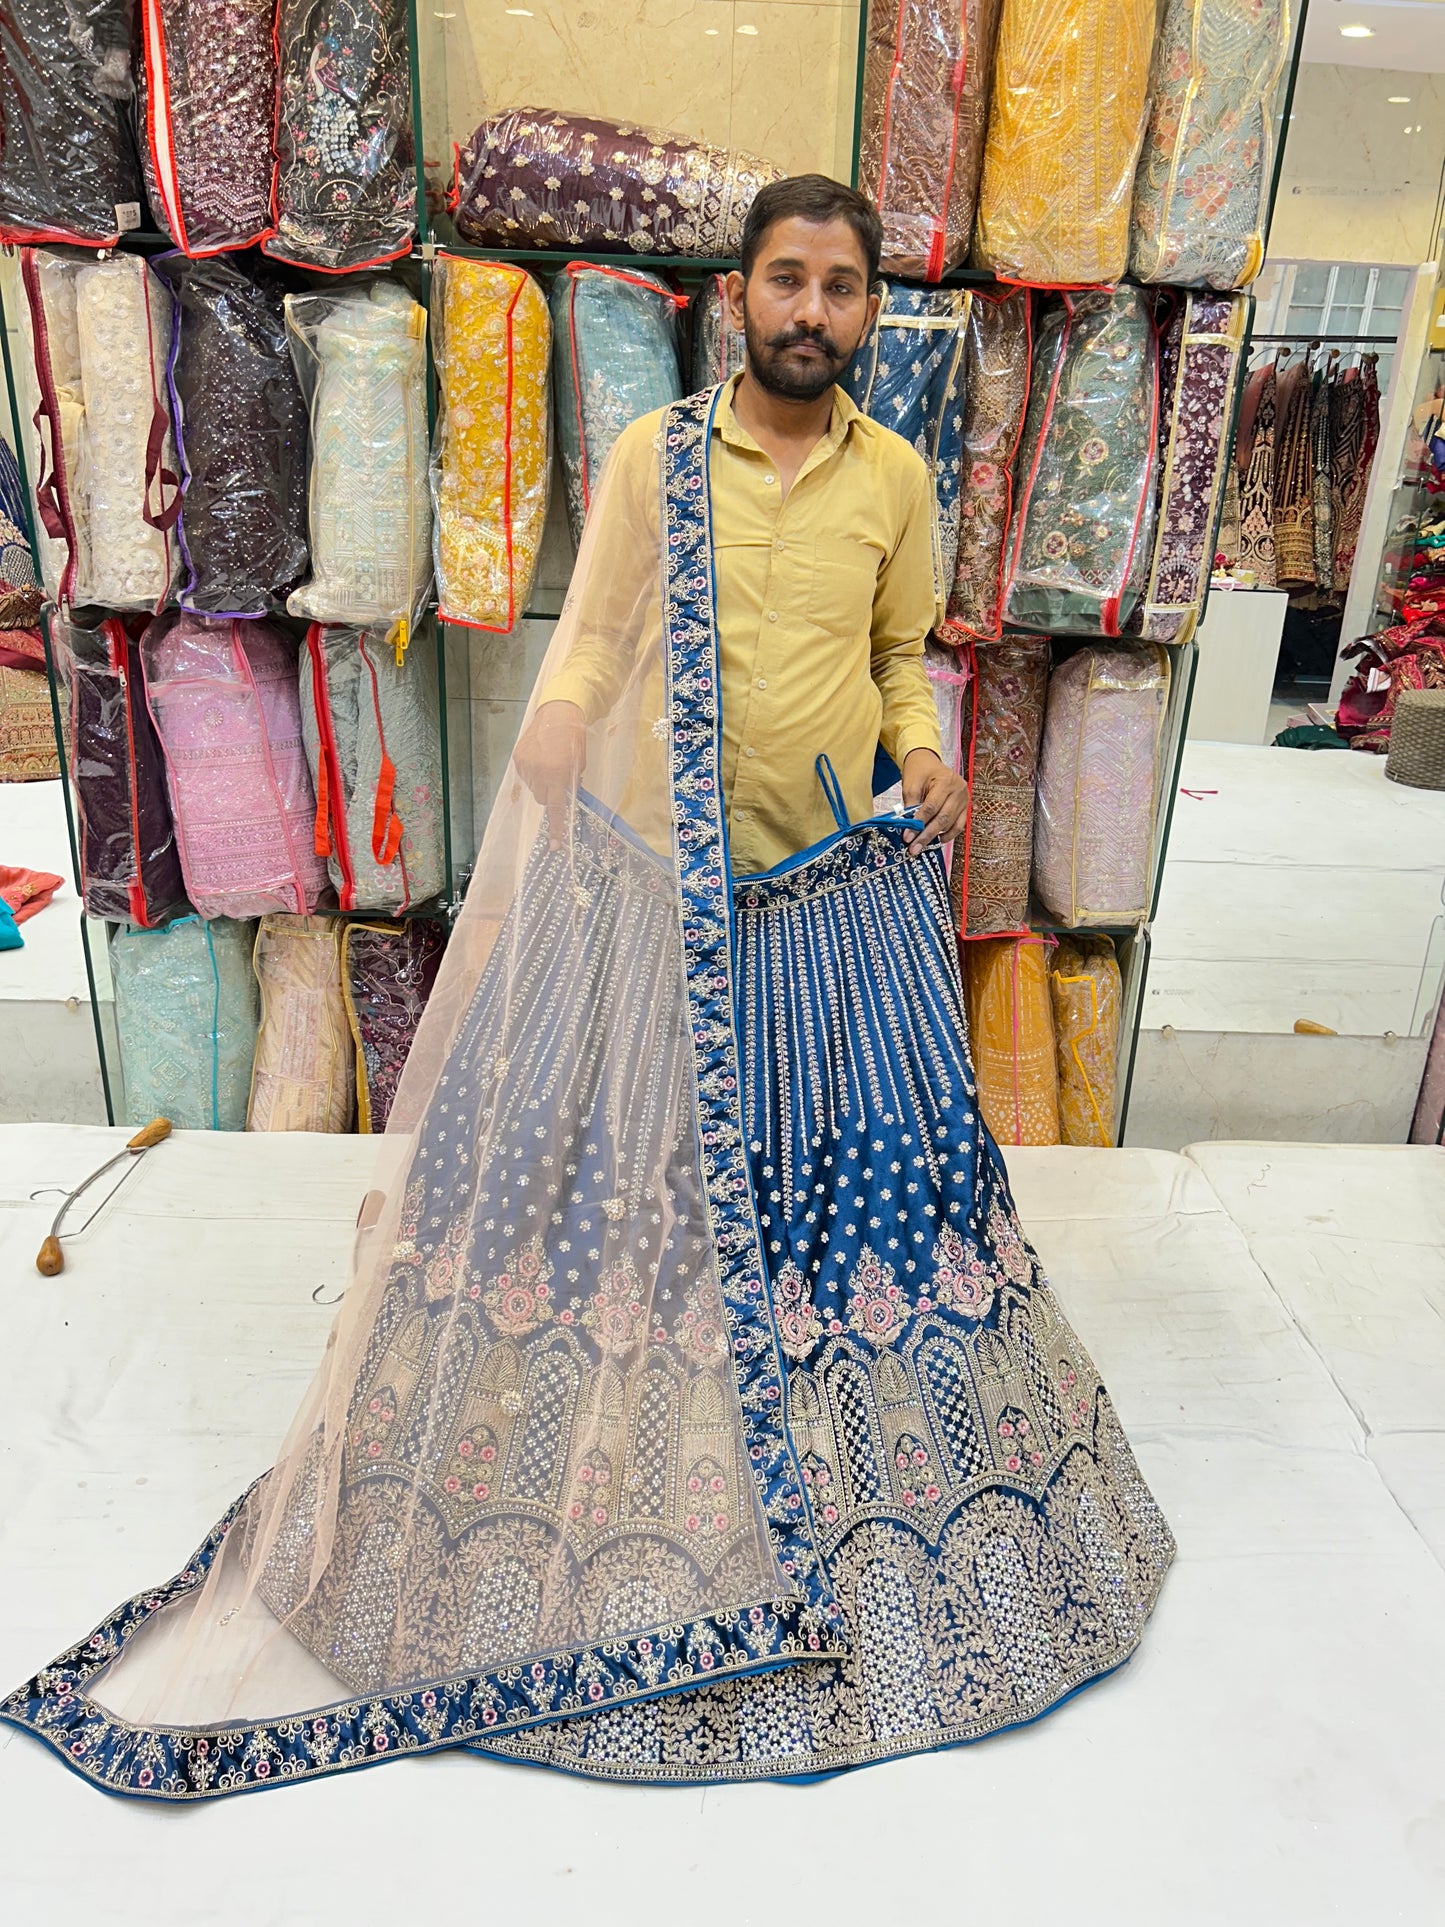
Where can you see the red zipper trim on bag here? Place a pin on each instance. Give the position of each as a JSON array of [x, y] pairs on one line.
[[894, 75], [1109, 614], [386, 825], [936, 245], [1048, 415], [158, 103], [55, 485], [134, 889], [331, 838]]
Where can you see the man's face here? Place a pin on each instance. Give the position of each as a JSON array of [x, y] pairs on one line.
[[805, 307]]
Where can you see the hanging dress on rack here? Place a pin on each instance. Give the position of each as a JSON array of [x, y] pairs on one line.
[[665, 1433], [1356, 439], [1294, 480], [1254, 467], [1322, 384]]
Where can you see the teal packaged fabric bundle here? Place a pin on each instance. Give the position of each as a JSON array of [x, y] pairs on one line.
[[10, 937], [187, 1007], [614, 357], [1086, 475]]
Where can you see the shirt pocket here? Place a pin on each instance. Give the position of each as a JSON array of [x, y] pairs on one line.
[[845, 577]]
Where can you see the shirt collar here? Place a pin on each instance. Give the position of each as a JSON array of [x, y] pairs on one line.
[[845, 413]]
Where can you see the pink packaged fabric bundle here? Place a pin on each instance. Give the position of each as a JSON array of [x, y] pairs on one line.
[[223, 695], [1098, 780]]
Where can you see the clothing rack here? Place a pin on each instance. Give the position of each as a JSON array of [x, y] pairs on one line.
[[1319, 341]]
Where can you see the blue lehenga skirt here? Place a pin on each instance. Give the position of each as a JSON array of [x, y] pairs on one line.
[[964, 1532], [977, 1508]]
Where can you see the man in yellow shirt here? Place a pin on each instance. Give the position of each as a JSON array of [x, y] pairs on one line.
[[823, 544]]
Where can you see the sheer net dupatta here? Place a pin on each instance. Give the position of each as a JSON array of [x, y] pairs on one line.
[[529, 1479]]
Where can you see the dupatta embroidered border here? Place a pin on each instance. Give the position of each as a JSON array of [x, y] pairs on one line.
[[233, 1756]]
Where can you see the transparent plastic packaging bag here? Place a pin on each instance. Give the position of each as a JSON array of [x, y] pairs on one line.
[[130, 869], [208, 114], [107, 490], [1098, 784], [1199, 350], [948, 676], [718, 348], [996, 362], [909, 375], [1199, 194], [69, 170], [360, 357], [305, 1075], [345, 147], [535, 178], [614, 358], [241, 428], [1011, 680], [1083, 525], [223, 697], [388, 971], [186, 1011], [491, 472], [1087, 991], [373, 741], [927, 75], [1066, 123], [1011, 1037]]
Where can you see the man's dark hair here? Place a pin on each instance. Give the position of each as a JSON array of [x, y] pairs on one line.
[[813, 197]]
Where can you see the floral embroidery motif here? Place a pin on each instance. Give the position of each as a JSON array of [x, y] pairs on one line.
[[876, 1306], [520, 1297], [799, 1326]]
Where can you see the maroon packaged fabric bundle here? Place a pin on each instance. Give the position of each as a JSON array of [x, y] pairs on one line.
[[926, 81], [241, 432], [209, 91], [130, 869], [69, 169], [534, 178], [345, 151], [388, 973]]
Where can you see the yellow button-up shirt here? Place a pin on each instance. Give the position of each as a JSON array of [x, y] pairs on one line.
[[823, 603]]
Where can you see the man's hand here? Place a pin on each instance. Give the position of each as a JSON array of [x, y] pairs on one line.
[[934, 792], [549, 758]]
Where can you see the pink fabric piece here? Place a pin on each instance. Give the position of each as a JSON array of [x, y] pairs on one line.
[[223, 695], [1098, 775], [26, 891]]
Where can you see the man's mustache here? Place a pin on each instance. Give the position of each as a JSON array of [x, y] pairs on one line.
[[801, 338]]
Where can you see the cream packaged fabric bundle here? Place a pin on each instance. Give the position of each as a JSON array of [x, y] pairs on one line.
[[361, 360]]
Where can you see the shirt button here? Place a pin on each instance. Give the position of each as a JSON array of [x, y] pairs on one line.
[[750, 751], [772, 615], [770, 479], [762, 682], [780, 546]]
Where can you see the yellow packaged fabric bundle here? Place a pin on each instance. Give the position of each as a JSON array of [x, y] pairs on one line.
[[1087, 993], [1011, 1038], [1070, 106], [493, 340], [304, 1078]]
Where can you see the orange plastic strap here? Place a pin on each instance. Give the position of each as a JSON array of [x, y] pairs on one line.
[[385, 823], [321, 836]]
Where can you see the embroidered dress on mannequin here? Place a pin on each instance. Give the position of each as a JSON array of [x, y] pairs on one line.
[[546, 1498]]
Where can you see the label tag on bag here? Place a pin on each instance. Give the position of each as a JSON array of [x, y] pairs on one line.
[[127, 216]]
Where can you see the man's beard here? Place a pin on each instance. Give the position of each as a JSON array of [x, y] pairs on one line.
[[793, 381]]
